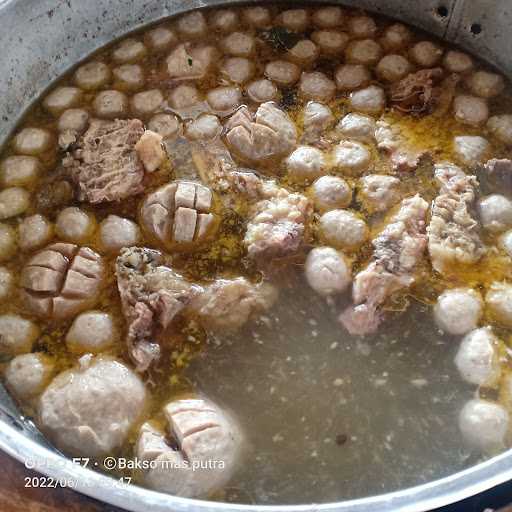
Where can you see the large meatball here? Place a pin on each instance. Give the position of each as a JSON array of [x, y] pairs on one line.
[[327, 271], [379, 192], [316, 86], [19, 171], [34, 232], [92, 75], [351, 156], [501, 127], [32, 141], [75, 225], [331, 193], [17, 334], [343, 229], [470, 110], [117, 232], [498, 300], [27, 375], [495, 213], [305, 164], [370, 100], [485, 84], [90, 410], [470, 148], [458, 311], [357, 127], [13, 201], [352, 76], [91, 332]]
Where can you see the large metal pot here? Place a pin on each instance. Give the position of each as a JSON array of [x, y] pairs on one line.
[[41, 39]]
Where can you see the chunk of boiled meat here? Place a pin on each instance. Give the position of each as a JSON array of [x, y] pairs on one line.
[[62, 280], [397, 250]]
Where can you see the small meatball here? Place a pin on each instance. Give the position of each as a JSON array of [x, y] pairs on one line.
[[498, 300], [184, 96], [484, 425], [328, 17], [146, 103], [392, 68], [316, 86], [304, 53], [91, 332], [32, 141], [470, 148], [187, 63], [91, 409], [13, 201], [74, 120], [330, 42], [352, 76], [192, 25], [330, 193], [317, 118], [204, 127], [495, 213], [128, 51], [305, 164], [365, 51], [6, 283], [237, 69], [343, 229], [110, 104], [501, 128], [379, 192], [357, 127], [34, 232], [257, 17], [238, 44], [27, 375], [74, 225], [129, 77], [370, 100], [62, 98], [160, 39], [458, 311], [224, 99], [351, 156], [478, 359], [282, 72], [457, 62], [396, 37], [362, 27], [17, 334], [426, 54], [224, 20], [93, 75], [19, 171], [150, 151], [327, 271], [296, 20], [470, 110], [116, 233], [485, 84], [166, 125], [7, 242], [261, 91]]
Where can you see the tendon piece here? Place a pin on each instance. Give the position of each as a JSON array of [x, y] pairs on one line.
[[417, 92], [397, 251]]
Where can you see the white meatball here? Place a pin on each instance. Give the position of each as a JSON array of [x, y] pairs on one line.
[[392, 68], [166, 125], [6, 283], [317, 118], [357, 127], [478, 358], [343, 229], [19, 171], [145, 103], [501, 127], [204, 127], [32, 141], [296, 20], [498, 300], [192, 25], [160, 39], [327, 271], [305, 164], [351, 156], [457, 62], [184, 96], [330, 42], [484, 425], [370, 100], [365, 51], [330, 193], [238, 70], [352, 76], [224, 99], [258, 17], [34, 232], [110, 104], [328, 17], [470, 110], [74, 225], [362, 27], [261, 91], [485, 84], [62, 98], [92, 76], [27, 375], [224, 20], [73, 119], [282, 72], [316, 86], [506, 242], [470, 148], [379, 192], [458, 311], [239, 44], [129, 77], [495, 213], [128, 51], [7, 242], [90, 410], [17, 334], [426, 54], [304, 53], [91, 332], [396, 37], [117, 232], [13, 201]]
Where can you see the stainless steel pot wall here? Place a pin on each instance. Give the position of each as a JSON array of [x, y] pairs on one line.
[[41, 39]]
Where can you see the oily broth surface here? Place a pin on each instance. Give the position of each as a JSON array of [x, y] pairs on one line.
[[327, 416]]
